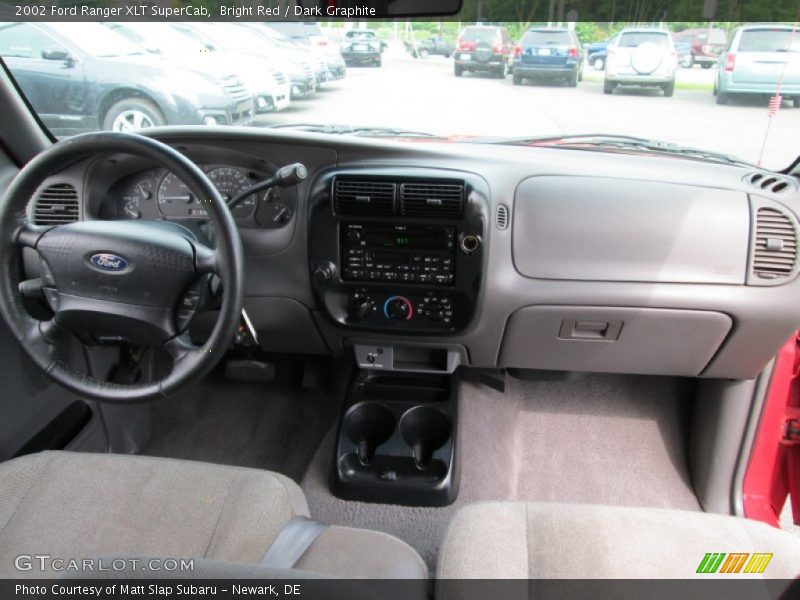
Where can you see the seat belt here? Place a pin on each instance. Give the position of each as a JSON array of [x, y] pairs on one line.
[[292, 542]]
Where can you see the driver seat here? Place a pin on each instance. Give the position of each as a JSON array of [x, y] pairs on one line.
[[75, 506]]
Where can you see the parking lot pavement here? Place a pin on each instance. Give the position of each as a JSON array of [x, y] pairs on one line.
[[424, 95]]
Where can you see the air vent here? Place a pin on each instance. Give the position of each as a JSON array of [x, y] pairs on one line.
[[770, 182], [442, 200], [56, 204], [501, 216], [775, 245], [363, 197]]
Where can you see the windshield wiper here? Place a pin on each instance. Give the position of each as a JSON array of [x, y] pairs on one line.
[[603, 141], [354, 130]]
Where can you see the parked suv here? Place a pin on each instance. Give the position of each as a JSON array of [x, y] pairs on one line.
[[548, 54], [485, 49], [703, 46], [759, 56], [84, 77], [642, 56]]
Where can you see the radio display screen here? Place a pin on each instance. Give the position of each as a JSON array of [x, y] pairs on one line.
[[407, 240]]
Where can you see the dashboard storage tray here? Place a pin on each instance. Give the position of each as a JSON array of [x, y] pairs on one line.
[[396, 441]]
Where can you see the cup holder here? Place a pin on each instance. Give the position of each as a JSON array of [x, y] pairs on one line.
[[368, 425], [425, 429]]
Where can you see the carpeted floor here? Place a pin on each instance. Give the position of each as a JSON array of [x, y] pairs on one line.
[[606, 439], [276, 426]]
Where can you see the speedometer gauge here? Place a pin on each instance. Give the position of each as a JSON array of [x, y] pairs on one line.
[[231, 182], [175, 199]]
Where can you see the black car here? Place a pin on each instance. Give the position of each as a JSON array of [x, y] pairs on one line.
[[435, 45], [548, 53], [85, 77], [362, 47]]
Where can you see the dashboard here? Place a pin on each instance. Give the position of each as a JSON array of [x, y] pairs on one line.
[[421, 257]]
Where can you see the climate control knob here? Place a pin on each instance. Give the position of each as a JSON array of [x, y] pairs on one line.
[[398, 307]]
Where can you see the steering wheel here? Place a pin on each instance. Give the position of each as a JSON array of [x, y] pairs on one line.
[[120, 281]]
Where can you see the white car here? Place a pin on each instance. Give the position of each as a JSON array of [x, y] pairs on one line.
[[268, 83], [641, 56]]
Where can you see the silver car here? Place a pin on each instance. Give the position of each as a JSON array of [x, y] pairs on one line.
[[759, 57], [641, 56]]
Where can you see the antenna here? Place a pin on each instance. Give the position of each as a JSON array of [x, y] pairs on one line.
[[777, 99]]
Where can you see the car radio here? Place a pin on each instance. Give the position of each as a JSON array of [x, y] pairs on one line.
[[398, 250], [398, 253]]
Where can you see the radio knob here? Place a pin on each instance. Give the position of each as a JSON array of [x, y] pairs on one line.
[[398, 307], [324, 272], [353, 236]]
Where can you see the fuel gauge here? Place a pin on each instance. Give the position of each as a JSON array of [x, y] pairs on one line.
[[141, 191]]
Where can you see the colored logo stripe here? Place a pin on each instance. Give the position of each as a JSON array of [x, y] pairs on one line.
[[758, 563], [711, 562], [734, 562]]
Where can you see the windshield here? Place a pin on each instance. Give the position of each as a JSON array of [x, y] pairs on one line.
[[479, 34], [441, 81], [542, 38], [634, 39], [360, 35], [769, 40], [158, 37], [95, 40]]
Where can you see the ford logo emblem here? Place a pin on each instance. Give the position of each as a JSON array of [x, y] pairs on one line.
[[109, 262]]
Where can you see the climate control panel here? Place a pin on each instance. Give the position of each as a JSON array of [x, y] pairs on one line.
[[423, 309]]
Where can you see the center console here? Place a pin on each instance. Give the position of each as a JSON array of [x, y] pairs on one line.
[[399, 250]]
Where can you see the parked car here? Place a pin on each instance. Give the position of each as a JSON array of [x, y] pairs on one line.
[[435, 45], [84, 77], [758, 58], [596, 53], [326, 66], [548, 53], [704, 46], [484, 49], [362, 47], [683, 48], [270, 85], [306, 33], [256, 51], [641, 56]]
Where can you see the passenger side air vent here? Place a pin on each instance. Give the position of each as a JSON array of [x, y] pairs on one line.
[[774, 246], [56, 204], [441, 200], [770, 182], [364, 197], [501, 217]]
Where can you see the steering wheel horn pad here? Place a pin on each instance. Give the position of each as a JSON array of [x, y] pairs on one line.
[[118, 280]]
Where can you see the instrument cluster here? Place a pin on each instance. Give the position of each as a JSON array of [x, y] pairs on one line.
[[159, 194]]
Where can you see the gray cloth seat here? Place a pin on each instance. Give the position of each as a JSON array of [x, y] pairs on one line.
[[75, 506], [508, 540]]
